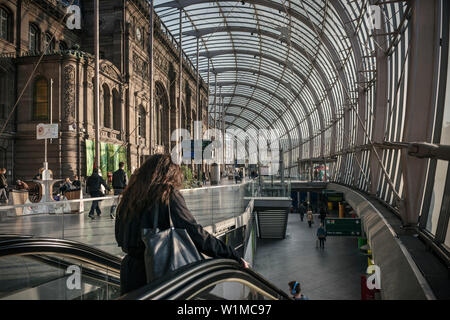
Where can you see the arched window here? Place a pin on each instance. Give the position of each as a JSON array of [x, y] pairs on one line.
[[106, 107], [117, 110], [141, 122], [158, 118], [40, 99], [63, 46], [183, 116], [2, 96], [33, 38], [4, 24], [49, 43]]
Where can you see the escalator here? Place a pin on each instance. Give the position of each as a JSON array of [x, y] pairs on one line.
[[53, 269], [211, 279]]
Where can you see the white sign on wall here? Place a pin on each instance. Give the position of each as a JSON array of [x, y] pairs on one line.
[[46, 131]]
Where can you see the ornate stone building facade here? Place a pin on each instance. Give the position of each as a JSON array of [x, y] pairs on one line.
[[61, 87]]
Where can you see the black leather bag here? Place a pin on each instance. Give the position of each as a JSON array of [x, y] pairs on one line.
[[167, 250]]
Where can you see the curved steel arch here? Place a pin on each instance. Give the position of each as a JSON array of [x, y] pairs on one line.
[[270, 124], [202, 32], [322, 35], [271, 76], [326, 84], [237, 83], [226, 95]]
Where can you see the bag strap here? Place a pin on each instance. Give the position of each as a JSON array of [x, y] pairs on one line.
[[170, 216], [155, 219]]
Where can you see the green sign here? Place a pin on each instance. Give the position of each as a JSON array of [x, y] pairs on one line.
[[343, 227], [110, 156], [333, 196]]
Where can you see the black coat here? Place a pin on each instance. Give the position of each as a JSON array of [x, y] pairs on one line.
[[3, 181], [93, 184], [128, 236], [119, 179], [323, 213], [76, 184]]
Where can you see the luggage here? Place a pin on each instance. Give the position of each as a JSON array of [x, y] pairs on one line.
[[167, 250]]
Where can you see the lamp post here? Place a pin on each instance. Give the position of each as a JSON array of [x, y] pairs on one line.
[[97, 83]]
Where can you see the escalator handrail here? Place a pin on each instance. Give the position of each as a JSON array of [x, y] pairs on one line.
[[30, 245], [167, 286]]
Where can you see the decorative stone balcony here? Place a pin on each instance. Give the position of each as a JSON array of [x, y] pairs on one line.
[[107, 133]]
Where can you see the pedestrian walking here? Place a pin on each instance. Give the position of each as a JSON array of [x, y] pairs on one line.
[[310, 217], [94, 187], [323, 214], [204, 178], [296, 291], [3, 185], [119, 183], [302, 209], [322, 236]]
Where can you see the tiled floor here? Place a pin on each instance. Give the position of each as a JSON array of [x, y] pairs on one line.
[[330, 274]]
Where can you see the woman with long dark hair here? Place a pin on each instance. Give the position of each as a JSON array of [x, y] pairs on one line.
[[157, 181]]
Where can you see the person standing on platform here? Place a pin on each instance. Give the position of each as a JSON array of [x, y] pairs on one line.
[[119, 183], [93, 185], [322, 236], [302, 210], [3, 185], [204, 178], [295, 290], [310, 217], [323, 214]]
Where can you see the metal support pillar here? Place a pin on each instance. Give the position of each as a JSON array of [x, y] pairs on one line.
[[197, 134], [150, 49], [419, 117], [381, 102], [180, 74], [215, 102], [223, 132], [97, 82]]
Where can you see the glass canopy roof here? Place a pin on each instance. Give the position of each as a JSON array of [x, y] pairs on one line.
[[289, 65]]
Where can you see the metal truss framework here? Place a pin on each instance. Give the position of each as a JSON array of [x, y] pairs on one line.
[[336, 85]]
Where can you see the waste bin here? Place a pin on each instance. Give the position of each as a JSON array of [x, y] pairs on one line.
[[76, 207], [17, 197]]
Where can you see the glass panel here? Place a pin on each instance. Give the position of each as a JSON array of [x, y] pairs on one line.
[[33, 39], [441, 168], [49, 44], [436, 198], [3, 24], [62, 46], [47, 277]]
